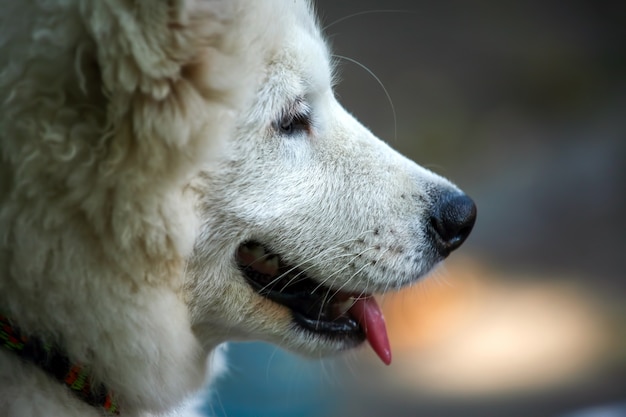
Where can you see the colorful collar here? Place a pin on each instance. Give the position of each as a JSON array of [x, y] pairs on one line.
[[57, 365]]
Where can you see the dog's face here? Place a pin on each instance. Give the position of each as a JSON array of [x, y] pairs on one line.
[[306, 214]]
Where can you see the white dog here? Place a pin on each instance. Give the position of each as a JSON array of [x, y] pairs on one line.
[[176, 174]]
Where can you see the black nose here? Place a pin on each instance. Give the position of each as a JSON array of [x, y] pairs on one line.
[[452, 218]]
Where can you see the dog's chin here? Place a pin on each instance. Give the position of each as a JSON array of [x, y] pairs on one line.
[[318, 314]]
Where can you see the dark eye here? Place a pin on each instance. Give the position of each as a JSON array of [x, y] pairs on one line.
[[293, 124]]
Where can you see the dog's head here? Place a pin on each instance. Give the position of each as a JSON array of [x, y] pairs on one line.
[[306, 214]]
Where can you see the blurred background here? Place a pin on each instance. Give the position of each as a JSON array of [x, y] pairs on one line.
[[523, 105]]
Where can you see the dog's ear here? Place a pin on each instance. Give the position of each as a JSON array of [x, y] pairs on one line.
[[174, 75], [142, 44], [166, 70], [117, 104]]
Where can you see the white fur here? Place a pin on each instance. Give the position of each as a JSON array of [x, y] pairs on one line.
[[139, 150]]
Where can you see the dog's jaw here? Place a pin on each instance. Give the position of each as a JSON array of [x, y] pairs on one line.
[[319, 309]]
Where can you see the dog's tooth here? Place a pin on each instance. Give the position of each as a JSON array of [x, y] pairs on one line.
[[272, 262], [258, 251], [344, 306], [268, 266]]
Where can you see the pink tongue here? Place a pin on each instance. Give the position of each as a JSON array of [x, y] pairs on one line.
[[367, 313]]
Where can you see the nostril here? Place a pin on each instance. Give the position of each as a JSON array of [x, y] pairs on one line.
[[452, 219]]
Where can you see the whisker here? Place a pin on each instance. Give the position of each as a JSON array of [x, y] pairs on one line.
[[354, 275], [322, 253], [323, 283], [387, 285], [370, 72], [326, 296], [365, 12], [347, 265], [364, 293], [338, 290], [267, 255], [303, 271]]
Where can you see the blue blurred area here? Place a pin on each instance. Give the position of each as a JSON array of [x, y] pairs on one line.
[[614, 410], [265, 381]]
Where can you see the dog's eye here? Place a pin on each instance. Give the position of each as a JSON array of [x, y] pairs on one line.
[[293, 124]]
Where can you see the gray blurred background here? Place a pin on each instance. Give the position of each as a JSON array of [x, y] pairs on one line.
[[523, 105]]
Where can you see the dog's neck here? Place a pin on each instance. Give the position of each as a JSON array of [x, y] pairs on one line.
[[48, 358]]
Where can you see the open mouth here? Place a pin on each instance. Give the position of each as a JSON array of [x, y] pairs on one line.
[[315, 307]]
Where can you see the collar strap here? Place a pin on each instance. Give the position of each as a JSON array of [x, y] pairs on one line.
[[57, 365]]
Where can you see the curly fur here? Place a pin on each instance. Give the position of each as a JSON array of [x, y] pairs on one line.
[[108, 109], [141, 146]]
